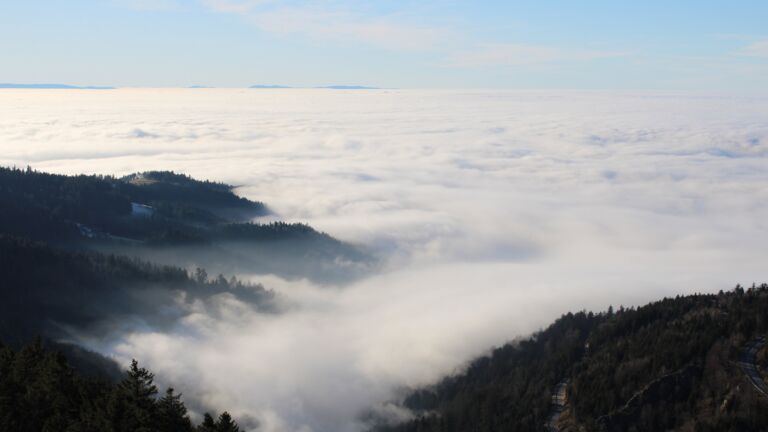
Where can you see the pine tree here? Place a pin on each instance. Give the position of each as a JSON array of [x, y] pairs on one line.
[[30, 403], [58, 392], [136, 394], [208, 424], [201, 276], [8, 387], [172, 414], [226, 424], [39, 392]]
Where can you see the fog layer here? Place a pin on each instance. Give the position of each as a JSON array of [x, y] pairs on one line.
[[494, 213]]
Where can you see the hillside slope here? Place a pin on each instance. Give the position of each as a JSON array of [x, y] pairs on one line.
[[669, 365], [53, 293], [172, 219], [39, 391]]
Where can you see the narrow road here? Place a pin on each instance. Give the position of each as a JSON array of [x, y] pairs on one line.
[[747, 364], [559, 400]]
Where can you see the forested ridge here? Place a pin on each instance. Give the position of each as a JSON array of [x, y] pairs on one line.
[[49, 291], [171, 207], [59, 204], [169, 218], [673, 360]]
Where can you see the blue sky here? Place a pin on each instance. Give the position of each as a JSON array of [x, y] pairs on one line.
[[587, 44]]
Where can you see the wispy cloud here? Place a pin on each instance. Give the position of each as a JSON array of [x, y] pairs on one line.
[[342, 22], [517, 54], [755, 49], [235, 6], [149, 5], [333, 21]]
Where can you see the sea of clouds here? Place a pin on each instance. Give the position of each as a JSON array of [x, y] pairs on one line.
[[494, 212]]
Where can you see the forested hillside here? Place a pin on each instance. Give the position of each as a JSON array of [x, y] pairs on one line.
[[40, 392], [97, 256], [102, 206], [169, 218], [669, 365], [49, 292]]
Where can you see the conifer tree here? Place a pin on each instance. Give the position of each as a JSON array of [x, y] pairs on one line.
[[40, 392], [208, 424], [138, 392], [172, 414], [226, 424]]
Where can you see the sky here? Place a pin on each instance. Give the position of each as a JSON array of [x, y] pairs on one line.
[[494, 212], [691, 45]]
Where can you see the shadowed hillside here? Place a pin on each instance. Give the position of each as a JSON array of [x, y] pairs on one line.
[[52, 292], [39, 391], [669, 365], [172, 219]]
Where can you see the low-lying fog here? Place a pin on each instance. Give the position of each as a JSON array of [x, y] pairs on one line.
[[495, 213]]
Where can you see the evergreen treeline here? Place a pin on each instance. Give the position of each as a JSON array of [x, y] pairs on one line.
[[674, 361], [45, 290], [63, 208], [39, 392], [172, 219], [178, 209]]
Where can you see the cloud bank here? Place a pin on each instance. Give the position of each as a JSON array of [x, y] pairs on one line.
[[496, 212]]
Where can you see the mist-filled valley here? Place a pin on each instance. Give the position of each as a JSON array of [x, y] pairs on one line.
[[306, 259]]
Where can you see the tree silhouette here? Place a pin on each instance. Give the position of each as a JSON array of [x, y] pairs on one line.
[[172, 414], [208, 424], [226, 424], [136, 399], [39, 392]]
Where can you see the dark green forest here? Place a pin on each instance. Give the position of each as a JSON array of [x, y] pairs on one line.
[[674, 361], [64, 208], [40, 392], [47, 290], [172, 219]]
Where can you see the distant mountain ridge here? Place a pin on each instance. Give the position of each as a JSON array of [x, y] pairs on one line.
[[348, 87], [329, 87], [52, 86], [269, 86]]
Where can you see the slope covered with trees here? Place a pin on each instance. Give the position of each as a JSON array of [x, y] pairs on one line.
[[669, 365], [105, 205], [97, 256], [169, 218], [48, 291], [40, 392], [98, 199]]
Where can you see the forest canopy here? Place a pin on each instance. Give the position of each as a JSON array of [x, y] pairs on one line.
[[39, 391], [668, 365]]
